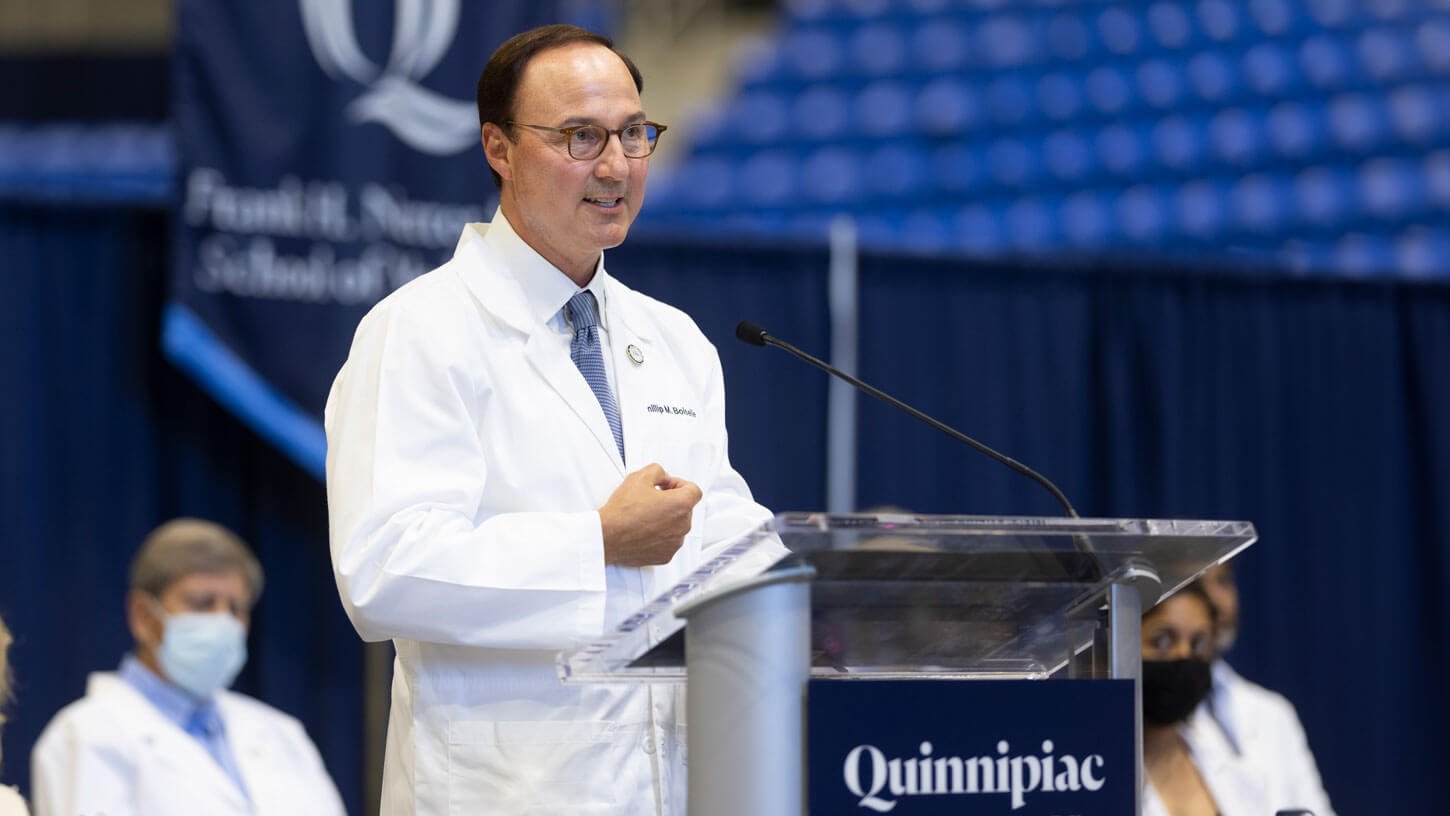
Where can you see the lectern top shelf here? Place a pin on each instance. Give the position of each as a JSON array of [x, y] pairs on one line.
[[949, 596]]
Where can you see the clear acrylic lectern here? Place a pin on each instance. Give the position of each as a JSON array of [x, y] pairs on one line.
[[888, 596]]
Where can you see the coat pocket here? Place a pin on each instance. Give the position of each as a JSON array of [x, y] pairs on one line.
[[534, 768]]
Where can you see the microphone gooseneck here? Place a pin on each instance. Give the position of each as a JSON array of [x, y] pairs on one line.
[[756, 336]]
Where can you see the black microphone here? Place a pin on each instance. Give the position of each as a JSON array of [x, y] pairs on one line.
[[756, 336]]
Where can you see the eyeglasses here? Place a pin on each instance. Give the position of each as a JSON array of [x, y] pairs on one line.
[[587, 141]]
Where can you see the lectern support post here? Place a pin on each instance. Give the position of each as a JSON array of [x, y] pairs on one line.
[[747, 657]]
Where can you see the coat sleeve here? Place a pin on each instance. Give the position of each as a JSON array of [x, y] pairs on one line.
[[413, 555], [72, 771]]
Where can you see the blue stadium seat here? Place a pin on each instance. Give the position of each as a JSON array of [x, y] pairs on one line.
[[1067, 155], [1273, 18], [1201, 208], [1009, 99], [821, 114], [1432, 41], [1324, 194], [1178, 143], [1436, 170], [1387, 54], [1392, 188], [1327, 62], [926, 230], [1011, 163], [1120, 30], [1060, 95], [1331, 14], [1364, 254], [1142, 213], [956, 170], [1358, 122], [1108, 90], [768, 178], [1031, 224], [1271, 70], [705, 183], [759, 117], [977, 229], [1420, 114], [1219, 19], [1262, 203], [877, 49], [1422, 252], [940, 45], [1237, 136], [831, 175], [1161, 84], [883, 108], [1067, 37], [1121, 150], [1170, 25], [1213, 76], [1086, 219], [1005, 41], [813, 53], [898, 170], [1297, 131], [947, 106]]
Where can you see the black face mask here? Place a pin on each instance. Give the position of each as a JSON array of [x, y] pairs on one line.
[[1173, 688]]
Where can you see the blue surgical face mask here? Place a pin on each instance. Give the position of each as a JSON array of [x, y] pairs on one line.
[[202, 651]]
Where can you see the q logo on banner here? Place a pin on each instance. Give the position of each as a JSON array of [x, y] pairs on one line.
[[422, 32]]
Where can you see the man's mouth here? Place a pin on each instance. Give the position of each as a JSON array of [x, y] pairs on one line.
[[605, 202]]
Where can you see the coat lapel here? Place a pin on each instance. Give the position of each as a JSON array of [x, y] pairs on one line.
[[497, 293], [175, 748], [631, 332]]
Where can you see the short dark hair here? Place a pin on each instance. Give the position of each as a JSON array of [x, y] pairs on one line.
[[499, 82]]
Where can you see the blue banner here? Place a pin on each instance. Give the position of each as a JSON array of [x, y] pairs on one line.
[[329, 152], [1026, 748]]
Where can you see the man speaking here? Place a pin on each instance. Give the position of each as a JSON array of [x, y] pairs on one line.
[[498, 485]]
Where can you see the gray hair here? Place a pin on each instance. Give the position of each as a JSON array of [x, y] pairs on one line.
[[187, 546]]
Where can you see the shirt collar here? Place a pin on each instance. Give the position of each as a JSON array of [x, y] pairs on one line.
[[174, 704], [546, 289]]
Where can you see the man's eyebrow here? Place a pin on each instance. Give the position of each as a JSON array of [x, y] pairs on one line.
[[633, 119]]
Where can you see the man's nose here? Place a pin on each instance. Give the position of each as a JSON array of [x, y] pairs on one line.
[[612, 163]]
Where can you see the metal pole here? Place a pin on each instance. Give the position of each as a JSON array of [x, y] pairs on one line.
[[844, 303], [747, 659]]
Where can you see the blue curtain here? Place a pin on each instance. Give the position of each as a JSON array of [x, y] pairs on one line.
[[102, 440], [1312, 408]]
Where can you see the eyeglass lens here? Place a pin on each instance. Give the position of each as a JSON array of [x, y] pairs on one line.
[[638, 141]]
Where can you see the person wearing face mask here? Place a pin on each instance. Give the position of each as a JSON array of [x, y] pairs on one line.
[[1261, 726], [1188, 767], [162, 735]]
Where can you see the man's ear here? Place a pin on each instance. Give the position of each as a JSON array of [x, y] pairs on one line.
[[497, 148], [141, 618]]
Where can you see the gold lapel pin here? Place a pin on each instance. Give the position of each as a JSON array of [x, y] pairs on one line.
[[635, 355]]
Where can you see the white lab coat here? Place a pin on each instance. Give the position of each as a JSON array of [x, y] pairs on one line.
[[113, 752], [1263, 728], [1238, 788], [467, 458]]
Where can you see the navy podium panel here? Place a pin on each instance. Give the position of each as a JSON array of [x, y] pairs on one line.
[[920, 747]]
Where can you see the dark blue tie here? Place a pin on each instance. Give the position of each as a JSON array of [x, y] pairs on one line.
[[585, 351]]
